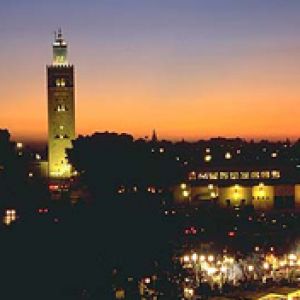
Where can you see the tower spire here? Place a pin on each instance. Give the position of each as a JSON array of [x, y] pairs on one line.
[[154, 136], [59, 49]]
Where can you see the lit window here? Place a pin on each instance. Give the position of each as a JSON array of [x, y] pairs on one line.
[[185, 193], [265, 174], [192, 176], [208, 158], [10, 216], [274, 155], [59, 136], [61, 108], [183, 186], [61, 127], [60, 82], [224, 175], [59, 59], [19, 145], [210, 186], [244, 175], [234, 175], [228, 155], [203, 175], [213, 195], [275, 174], [213, 175], [254, 175]]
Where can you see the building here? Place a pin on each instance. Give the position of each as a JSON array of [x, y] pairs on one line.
[[272, 293], [233, 173], [264, 187], [61, 109]]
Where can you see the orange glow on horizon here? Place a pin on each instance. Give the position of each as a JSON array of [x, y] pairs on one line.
[[253, 99]]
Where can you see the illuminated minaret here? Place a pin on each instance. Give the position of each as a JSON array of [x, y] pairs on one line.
[[61, 109]]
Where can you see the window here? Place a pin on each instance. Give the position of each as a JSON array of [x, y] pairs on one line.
[[224, 175], [203, 176], [228, 155], [59, 59], [244, 175], [60, 136], [60, 82], [10, 216], [275, 174], [207, 158], [254, 175], [192, 176], [61, 107], [213, 175], [265, 174], [234, 175]]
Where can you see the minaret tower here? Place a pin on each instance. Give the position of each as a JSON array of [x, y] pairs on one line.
[[61, 109]]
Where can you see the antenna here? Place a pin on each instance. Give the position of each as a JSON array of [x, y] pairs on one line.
[[59, 35]]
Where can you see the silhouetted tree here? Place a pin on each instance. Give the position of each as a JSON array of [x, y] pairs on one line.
[[108, 161], [130, 232]]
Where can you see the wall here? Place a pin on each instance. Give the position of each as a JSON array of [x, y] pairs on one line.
[[235, 195], [263, 197]]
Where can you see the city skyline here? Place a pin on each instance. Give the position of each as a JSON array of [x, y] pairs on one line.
[[190, 70]]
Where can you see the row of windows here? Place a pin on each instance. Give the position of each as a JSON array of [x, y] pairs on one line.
[[235, 175], [260, 198], [61, 99], [254, 198], [243, 201], [61, 136]]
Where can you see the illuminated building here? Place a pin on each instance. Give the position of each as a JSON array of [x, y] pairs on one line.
[[61, 109], [273, 293], [263, 187]]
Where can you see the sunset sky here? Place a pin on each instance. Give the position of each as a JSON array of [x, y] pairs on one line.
[[188, 68]]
